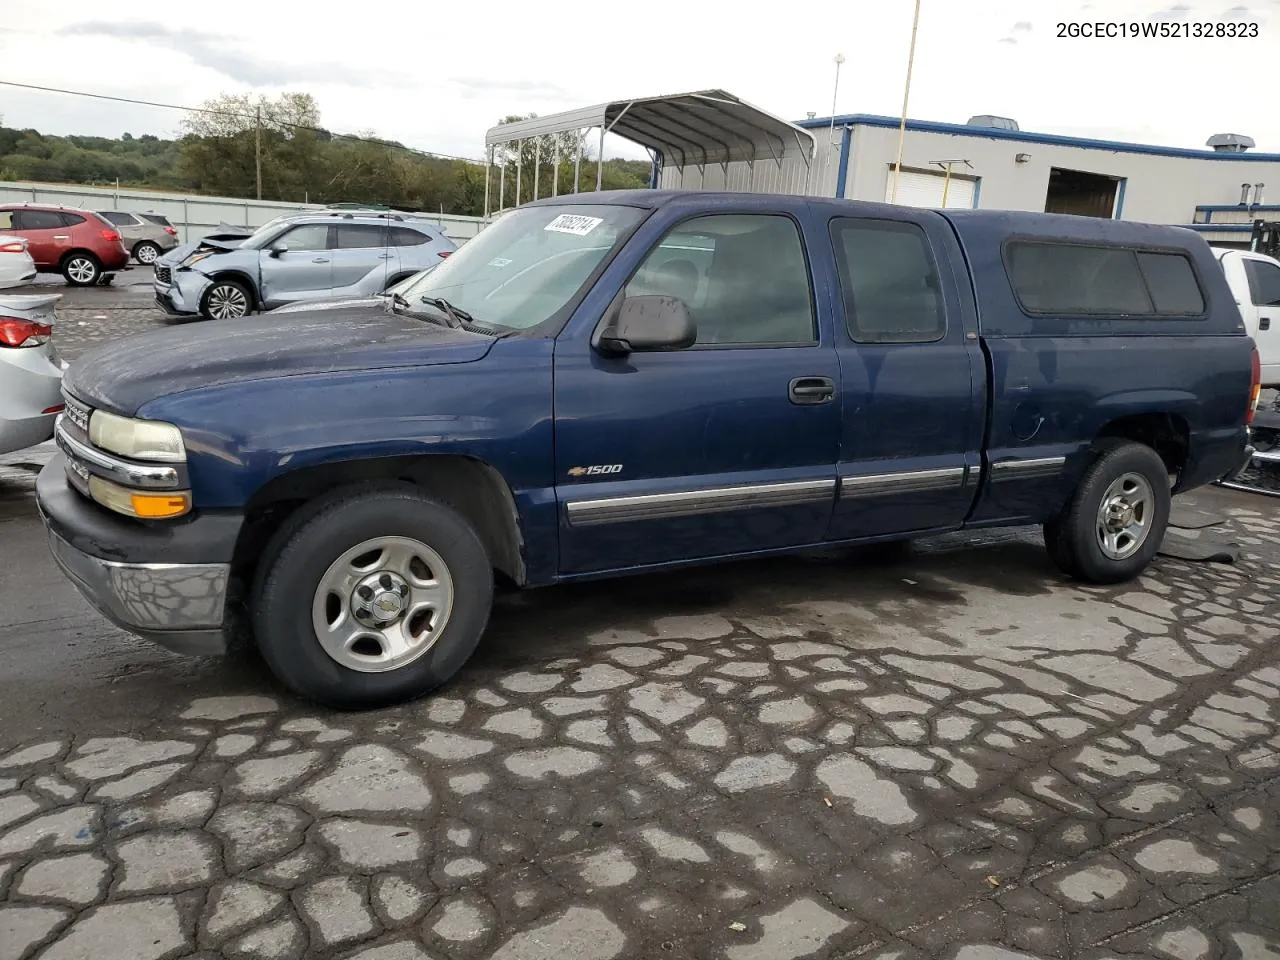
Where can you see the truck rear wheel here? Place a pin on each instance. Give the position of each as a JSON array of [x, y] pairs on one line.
[[373, 597], [1115, 522]]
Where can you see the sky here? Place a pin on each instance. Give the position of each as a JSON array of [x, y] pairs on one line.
[[436, 76]]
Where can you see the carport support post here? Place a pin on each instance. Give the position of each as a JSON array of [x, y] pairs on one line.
[[488, 162], [519, 167], [577, 159], [502, 185], [600, 163], [555, 167], [537, 163]]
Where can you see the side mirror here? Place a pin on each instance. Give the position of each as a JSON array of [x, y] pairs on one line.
[[646, 324], [279, 248]]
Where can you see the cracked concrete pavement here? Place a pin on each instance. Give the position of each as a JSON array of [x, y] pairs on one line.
[[951, 753]]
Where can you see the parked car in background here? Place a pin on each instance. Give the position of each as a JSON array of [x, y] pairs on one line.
[[302, 257], [79, 244], [30, 371], [1254, 279], [145, 238], [16, 265]]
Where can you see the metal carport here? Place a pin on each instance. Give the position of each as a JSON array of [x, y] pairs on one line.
[[699, 129]]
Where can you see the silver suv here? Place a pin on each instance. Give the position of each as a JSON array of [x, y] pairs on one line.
[[301, 257], [147, 235]]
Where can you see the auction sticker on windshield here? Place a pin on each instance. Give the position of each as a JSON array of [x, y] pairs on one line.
[[573, 223]]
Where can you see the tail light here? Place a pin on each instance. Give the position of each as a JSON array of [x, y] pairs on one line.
[[15, 332], [19, 246], [170, 231], [110, 236], [443, 253], [1255, 386]]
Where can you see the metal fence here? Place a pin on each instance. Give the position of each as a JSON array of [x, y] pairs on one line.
[[191, 214]]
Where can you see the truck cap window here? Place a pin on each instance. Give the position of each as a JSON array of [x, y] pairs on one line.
[[524, 268], [888, 281], [1071, 279], [743, 278]]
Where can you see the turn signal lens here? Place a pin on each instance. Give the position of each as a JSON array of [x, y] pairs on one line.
[[1255, 387], [144, 505]]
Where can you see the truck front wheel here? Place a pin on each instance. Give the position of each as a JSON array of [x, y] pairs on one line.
[[1115, 522], [365, 599]]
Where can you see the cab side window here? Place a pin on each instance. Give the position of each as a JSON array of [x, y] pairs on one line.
[[888, 282], [6, 219], [1264, 283], [743, 277], [362, 236]]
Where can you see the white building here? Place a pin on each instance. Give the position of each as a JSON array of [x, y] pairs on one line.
[[711, 140]]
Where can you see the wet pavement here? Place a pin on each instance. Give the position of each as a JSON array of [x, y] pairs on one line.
[[945, 753]]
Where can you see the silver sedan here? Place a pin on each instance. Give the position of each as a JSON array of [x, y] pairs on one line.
[[30, 371]]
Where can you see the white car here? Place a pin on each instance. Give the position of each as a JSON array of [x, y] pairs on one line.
[[30, 371], [1254, 279], [16, 265]]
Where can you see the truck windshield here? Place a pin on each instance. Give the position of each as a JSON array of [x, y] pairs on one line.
[[522, 269]]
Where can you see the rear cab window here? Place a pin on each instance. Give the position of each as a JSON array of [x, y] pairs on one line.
[[889, 282], [1065, 279]]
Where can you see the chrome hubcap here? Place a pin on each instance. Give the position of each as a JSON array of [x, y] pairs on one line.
[[1125, 516], [81, 270], [382, 604], [227, 303]]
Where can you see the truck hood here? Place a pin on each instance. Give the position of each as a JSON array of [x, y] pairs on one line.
[[123, 376]]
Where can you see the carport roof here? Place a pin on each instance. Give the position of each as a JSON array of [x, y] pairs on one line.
[[702, 127]]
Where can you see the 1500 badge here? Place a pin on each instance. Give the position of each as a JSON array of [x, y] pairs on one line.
[[595, 470]]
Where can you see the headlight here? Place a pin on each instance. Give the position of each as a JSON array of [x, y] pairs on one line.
[[137, 439], [196, 258]]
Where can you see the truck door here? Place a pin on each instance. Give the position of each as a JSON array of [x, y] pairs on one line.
[[1264, 292], [724, 447], [303, 271], [912, 378]]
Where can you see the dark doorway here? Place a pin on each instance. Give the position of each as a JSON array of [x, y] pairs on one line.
[[1080, 193]]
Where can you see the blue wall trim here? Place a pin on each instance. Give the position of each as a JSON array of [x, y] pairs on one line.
[[1119, 214], [843, 172], [1220, 227], [1022, 136], [1210, 207]]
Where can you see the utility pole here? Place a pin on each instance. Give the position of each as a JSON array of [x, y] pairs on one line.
[[257, 150]]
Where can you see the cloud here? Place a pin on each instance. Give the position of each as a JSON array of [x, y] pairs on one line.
[[471, 87], [219, 53], [1178, 11]]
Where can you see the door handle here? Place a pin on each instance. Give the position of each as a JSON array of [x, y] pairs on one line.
[[320, 260], [1264, 323], [384, 256], [810, 390]]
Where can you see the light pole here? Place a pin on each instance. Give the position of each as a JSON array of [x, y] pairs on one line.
[[906, 93], [831, 130]]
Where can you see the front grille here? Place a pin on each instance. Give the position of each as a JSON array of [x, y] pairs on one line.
[[76, 412], [163, 275]]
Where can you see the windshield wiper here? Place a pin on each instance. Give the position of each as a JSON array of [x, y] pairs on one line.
[[457, 316]]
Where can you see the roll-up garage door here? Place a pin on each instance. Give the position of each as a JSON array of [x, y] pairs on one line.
[[917, 189]]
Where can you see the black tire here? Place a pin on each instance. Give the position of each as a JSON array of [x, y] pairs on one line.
[[1073, 539], [81, 269], [296, 560], [225, 292], [146, 252]]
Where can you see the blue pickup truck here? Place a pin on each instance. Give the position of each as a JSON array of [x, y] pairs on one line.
[[629, 381]]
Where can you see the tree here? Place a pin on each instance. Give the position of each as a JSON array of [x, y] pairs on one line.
[[231, 134]]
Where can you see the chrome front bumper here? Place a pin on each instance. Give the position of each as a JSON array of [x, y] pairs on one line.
[[179, 606]]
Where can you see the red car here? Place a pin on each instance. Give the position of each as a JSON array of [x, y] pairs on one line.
[[79, 244]]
